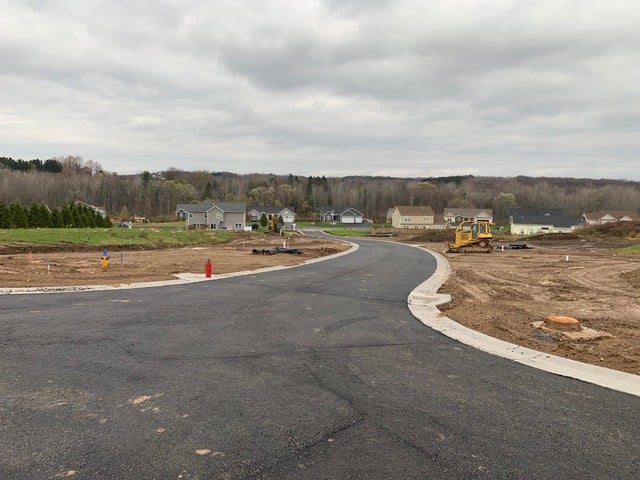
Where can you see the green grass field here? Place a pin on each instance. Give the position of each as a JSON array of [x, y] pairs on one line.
[[632, 250], [105, 237]]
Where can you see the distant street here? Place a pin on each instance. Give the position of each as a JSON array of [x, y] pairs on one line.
[[315, 372]]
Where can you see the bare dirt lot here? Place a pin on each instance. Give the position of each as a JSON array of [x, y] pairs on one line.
[[503, 293], [500, 294], [46, 267]]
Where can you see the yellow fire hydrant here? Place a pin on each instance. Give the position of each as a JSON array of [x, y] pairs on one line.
[[105, 259]]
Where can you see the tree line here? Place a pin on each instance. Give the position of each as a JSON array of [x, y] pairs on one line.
[[156, 195], [39, 215]]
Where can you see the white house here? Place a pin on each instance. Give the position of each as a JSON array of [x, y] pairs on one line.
[[530, 221], [341, 215], [287, 213]]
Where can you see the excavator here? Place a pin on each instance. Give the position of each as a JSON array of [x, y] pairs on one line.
[[471, 236]]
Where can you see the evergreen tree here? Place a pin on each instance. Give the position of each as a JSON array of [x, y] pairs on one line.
[[67, 219], [4, 216], [38, 215], [18, 216], [208, 191], [76, 217], [88, 217], [56, 219], [52, 165]]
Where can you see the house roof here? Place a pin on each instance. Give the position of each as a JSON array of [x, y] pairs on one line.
[[415, 211], [338, 210], [536, 212], [554, 220], [271, 209], [207, 205], [468, 212], [617, 214], [184, 206]]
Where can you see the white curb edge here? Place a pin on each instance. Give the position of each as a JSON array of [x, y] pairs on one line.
[[423, 301]]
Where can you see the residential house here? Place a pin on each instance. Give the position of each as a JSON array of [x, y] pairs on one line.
[[213, 215], [341, 215], [608, 216], [416, 218], [287, 213], [182, 210], [529, 221], [457, 215]]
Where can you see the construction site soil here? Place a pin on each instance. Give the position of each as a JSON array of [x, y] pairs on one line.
[[501, 294]]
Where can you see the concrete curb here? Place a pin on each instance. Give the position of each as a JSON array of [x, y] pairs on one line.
[[423, 301]]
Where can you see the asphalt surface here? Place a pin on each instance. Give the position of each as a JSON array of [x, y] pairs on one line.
[[316, 372]]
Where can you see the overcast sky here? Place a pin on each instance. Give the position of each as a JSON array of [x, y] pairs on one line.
[[334, 87]]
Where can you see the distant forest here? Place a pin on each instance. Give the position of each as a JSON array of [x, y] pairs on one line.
[[59, 181]]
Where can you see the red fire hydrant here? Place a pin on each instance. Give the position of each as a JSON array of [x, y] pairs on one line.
[[208, 268]]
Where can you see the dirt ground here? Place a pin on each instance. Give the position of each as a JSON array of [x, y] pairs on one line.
[[45, 267], [503, 293], [500, 294]]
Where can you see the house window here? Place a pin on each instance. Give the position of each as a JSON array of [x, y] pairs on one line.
[[218, 216], [238, 226], [407, 219], [205, 215], [191, 215]]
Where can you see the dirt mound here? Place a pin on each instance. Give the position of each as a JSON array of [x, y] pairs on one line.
[[552, 237], [614, 229], [633, 277], [429, 236]]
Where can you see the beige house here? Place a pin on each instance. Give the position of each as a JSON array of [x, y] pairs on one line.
[[608, 216], [457, 215], [416, 218]]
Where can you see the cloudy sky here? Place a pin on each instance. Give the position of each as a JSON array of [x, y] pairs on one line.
[[333, 87]]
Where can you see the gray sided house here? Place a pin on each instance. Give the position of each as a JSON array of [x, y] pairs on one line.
[[213, 215], [457, 215], [530, 221], [287, 213], [341, 215]]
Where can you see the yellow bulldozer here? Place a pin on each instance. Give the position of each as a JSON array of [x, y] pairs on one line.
[[471, 237]]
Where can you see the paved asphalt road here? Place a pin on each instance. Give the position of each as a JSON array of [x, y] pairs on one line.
[[316, 372]]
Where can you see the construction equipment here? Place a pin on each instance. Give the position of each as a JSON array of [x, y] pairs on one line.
[[471, 237]]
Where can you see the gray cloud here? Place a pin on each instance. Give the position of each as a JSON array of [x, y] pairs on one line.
[[403, 88]]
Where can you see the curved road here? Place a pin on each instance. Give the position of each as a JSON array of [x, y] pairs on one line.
[[316, 372]]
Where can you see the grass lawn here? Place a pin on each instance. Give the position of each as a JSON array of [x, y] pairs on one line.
[[632, 250], [104, 237]]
